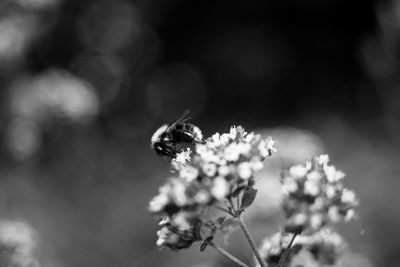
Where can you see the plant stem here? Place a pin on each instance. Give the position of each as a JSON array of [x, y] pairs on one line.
[[286, 252], [228, 255], [222, 209], [238, 202], [251, 242]]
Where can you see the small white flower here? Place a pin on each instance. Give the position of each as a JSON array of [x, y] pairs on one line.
[[340, 175], [270, 144], [263, 149], [332, 175], [197, 133], [209, 169], [220, 188], [289, 186], [244, 148], [316, 221], [265, 247], [348, 196], [311, 188], [188, 173], [350, 214], [180, 221], [224, 170], [334, 214], [165, 236], [317, 205], [244, 170], [215, 140], [158, 203], [165, 189], [162, 236], [183, 157], [308, 165], [314, 175], [266, 146], [224, 139], [256, 165], [323, 159], [300, 219], [233, 132], [298, 171], [178, 193], [206, 154], [202, 197], [232, 152], [330, 191], [249, 137]]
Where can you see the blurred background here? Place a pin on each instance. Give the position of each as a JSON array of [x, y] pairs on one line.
[[84, 84]]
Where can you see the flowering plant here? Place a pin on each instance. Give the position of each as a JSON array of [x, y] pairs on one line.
[[219, 173]]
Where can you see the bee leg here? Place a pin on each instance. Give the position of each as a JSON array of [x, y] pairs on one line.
[[199, 141]]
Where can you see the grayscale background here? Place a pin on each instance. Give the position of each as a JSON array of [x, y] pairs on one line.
[[84, 84]]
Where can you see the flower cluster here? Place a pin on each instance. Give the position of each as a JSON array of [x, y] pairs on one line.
[[314, 196], [204, 177], [179, 231], [180, 194], [325, 247], [236, 155]]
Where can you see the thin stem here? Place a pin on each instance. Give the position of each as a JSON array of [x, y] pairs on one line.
[[231, 204], [228, 255], [238, 202], [251, 242], [222, 209], [230, 200], [286, 252]]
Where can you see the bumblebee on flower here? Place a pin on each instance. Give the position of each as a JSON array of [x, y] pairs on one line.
[[207, 175], [219, 172]]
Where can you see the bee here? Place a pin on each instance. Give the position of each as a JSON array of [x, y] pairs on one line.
[[169, 138]]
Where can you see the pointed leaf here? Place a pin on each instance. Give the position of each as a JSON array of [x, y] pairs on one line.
[[207, 241], [249, 195], [237, 191], [197, 230], [221, 220]]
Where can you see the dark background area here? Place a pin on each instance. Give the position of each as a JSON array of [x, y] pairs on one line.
[[84, 85]]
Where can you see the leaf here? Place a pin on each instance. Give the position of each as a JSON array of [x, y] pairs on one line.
[[221, 220], [237, 191], [197, 229], [207, 241], [249, 195]]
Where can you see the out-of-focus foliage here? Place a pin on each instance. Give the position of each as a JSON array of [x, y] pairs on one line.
[[18, 242]]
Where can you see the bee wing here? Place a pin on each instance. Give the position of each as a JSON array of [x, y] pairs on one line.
[[184, 117]]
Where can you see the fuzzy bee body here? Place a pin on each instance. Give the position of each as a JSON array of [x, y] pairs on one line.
[[168, 139]]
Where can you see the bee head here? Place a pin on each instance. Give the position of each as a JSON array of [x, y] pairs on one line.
[[164, 149], [158, 134]]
